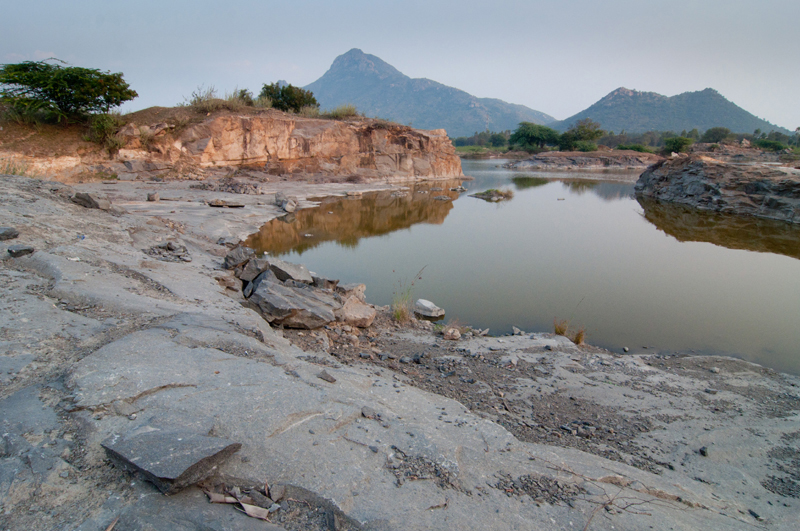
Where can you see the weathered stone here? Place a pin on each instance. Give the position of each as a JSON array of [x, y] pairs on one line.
[[254, 267], [153, 196], [221, 203], [288, 271], [237, 256], [324, 283], [426, 308], [20, 250], [452, 334], [356, 313], [8, 233], [171, 460], [709, 184], [89, 200], [294, 306], [351, 290], [324, 375]]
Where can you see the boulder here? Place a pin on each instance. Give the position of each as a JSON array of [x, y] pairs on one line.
[[287, 203], [237, 256], [254, 267], [88, 200], [20, 250], [452, 334], [153, 196], [324, 283], [356, 313], [171, 460], [426, 308], [288, 271], [296, 306], [8, 233], [352, 290]]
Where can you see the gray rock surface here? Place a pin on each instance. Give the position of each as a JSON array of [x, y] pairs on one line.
[[170, 459], [20, 249], [749, 189], [8, 233], [90, 200], [288, 271], [298, 306], [237, 256]]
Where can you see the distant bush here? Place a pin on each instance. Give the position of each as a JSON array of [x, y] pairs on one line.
[[288, 97], [309, 111], [770, 145], [634, 147], [341, 112], [584, 145], [677, 144], [715, 134], [61, 92], [103, 130], [530, 134]]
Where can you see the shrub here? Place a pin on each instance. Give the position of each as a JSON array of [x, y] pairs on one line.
[[770, 145], [715, 134], [288, 97], [401, 298], [677, 144], [103, 130], [635, 147], [341, 112], [262, 102], [62, 92], [309, 111], [15, 167], [586, 146]]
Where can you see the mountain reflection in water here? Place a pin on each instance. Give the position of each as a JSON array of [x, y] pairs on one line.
[[687, 224], [346, 220]]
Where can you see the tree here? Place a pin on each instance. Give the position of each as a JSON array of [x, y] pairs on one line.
[[288, 97], [677, 144], [65, 92], [715, 134], [530, 134], [583, 132]]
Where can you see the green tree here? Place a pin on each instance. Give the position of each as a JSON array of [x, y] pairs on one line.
[[583, 133], [530, 134], [64, 92], [715, 134], [288, 97], [677, 144]]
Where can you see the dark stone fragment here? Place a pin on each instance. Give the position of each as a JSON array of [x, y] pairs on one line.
[[171, 460], [704, 451], [8, 233], [87, 200], [237, 256], [327, 377], [20, 250]]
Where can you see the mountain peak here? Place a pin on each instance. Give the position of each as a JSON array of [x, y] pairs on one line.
[[356, 61]]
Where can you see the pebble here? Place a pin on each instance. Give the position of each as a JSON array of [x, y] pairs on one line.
[[8, 233], [711, 391], [20, 250], [704, 451], [625, 349], [715, 370], [374, 449], [327, 377]]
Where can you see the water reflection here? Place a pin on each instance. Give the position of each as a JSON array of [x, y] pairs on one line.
[[523, 182], [687, 224], [347, 220]]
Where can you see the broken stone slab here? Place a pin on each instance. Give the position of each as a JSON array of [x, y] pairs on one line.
[[356, 313], [324, 283], [237, 256], [171, 460], [352, 290], [20, 250], [221, 203], [8, 233], [296, 306], [288, 204], [88, 200], [254, 267], [288, 271], [426, 308], [153, 196]]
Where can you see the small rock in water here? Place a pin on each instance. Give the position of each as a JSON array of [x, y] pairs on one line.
[[625, 349], [426, 308]]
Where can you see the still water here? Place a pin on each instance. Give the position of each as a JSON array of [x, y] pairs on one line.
[[569, 248]]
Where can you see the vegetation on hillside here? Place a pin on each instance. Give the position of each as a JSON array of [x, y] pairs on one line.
[[48, 91]]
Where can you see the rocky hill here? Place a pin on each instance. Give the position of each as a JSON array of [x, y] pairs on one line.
[[376, 88], [637, 112], [179, 142]]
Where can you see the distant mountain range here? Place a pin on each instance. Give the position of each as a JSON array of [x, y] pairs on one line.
[[378, 89], [638, 112]]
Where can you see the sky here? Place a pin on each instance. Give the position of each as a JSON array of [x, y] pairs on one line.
[[558, 57]]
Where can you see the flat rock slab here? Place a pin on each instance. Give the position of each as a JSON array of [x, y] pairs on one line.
[[171, 460], [20, 250], [89, 200], [288, 271], [8, 233], [297, 306], [426, 308]]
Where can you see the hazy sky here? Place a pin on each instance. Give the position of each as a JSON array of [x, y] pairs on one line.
[[555, 57]]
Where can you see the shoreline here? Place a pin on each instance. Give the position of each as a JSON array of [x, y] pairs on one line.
[[498, 432]]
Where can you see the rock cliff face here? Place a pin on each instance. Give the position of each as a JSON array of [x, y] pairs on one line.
[[282, 144], [770, 192]]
